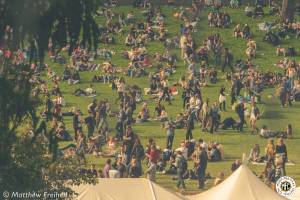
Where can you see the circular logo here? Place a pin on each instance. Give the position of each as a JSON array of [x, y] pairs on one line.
[[5, 194], [285, 186]]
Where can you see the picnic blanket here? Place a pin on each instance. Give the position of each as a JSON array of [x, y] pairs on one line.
[[266, 26]]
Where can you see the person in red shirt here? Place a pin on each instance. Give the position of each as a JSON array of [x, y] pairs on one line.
[[7, 54], [154, 155]]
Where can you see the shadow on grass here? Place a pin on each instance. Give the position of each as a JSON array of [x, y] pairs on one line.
[[271, 114]]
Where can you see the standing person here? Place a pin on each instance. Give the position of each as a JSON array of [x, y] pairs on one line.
[[90, 124], [166, 93], [233, 93], [179, 163], [170, 133], [281, 153], [282, 95], [77, 126], [254, 116], [270, 153], [92, 107], [80, 151], [106, 168], [120, 89], [205, 115], [228, 58], [138, 151], [222, 99], [189, 127], [218, 53], [186, 94], [201, 167], [119, 129], [287, 88], [102, 115], [214, 114], [129, 140], [240, 110]]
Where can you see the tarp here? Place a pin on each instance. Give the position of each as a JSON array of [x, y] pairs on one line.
[[241, 185], [124, 189], [296, 195]]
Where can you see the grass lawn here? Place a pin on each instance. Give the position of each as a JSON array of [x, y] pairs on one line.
[[234, 143]]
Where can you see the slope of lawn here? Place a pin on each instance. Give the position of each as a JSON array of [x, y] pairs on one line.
[[234, 143]]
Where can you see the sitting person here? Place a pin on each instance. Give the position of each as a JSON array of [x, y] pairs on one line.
[[61, 133], [134, 170], [66, 74], [234, 3], [250, 52], [249, 11], [251, 43], [246, 32], [68, 151], [163, 115], [172, 169], [254, 154], [291, 51], [237, 31], [144, 115], [98, 140], [272, 38], [214, 154], [258, 11], [237, 163], [129, 40], [111, 144], [179, 121], [219, 179], [213, 74], [75, 78], [280, 50], [80, 92], [274, 9], [90, 91], [228, 122]]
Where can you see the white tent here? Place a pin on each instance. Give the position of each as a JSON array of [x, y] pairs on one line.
[[296, 195], [241, 185], [124, 189]]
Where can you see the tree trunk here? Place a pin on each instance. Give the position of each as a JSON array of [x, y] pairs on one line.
[[288, 9]]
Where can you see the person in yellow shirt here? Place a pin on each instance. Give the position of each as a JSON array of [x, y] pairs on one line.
[[270, 152]]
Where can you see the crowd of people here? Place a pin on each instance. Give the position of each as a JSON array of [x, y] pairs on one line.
[[95, 133]]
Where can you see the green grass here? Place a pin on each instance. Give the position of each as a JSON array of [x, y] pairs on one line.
[[234, 143]]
